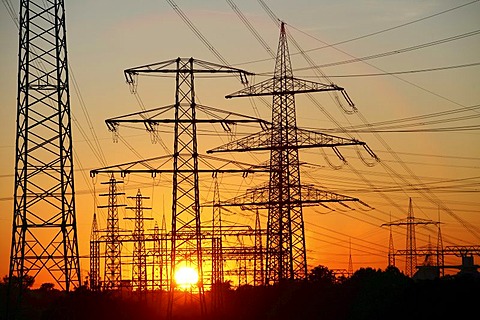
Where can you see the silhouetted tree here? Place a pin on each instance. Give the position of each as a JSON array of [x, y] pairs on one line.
[[321, 275], [27, 282], [47, 286]]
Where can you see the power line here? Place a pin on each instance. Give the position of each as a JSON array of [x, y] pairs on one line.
[[356, 38], [383, 30], [397, 51], [396, 72], [397, 123]]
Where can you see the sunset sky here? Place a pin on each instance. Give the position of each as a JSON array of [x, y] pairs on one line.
[[418, 75]]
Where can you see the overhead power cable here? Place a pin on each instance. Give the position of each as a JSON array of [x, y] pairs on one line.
[[393, 72], [397, 51], [197, 32], [251, 28], [208, 45], [392, 125], [442, 129], [387, 29], [359, 37]]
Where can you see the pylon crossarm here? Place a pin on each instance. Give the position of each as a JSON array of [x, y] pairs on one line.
[[259, 197], [313, 139], [153, 117], [257, 141], [170, 66], [269, 87], [313, 195], [410, 221], [305, 139], [153, 113], [159, 165]]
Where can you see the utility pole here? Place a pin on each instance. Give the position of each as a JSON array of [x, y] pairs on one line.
[[44, 232], [284, 195]]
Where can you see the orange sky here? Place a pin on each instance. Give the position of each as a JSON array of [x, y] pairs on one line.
[[435, 169]]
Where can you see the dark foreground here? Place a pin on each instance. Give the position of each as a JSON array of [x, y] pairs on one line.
[[368, 294]]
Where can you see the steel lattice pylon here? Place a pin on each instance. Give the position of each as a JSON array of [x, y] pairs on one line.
[[258, 271], [94, 275], [284, 196], [113, 263], [217, 256], [186, 239], [411, 245], [410, 251], [139, 266], [44, 233], [286, 255]]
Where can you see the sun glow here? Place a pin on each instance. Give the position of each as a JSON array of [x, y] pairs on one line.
[[186, 277]]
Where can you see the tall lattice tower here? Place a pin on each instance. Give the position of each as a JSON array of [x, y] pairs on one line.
[[410, 251], [113, 266], [44, 233], [94, 275], [411, 245], [440, 254], [391, 250], [284, 196], [157, 264], [350, 262], [185, 237], [258, 274], [139, 264], [217, 249]]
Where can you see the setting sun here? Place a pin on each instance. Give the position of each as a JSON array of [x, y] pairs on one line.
[[185, 277]]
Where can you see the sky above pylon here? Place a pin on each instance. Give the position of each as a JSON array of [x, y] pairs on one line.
[[410, 67]]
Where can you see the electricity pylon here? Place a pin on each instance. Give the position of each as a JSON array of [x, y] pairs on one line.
[[139, 266], [113, 263], [186, 237], [217, 250], [284, 196], [258, 277], [94, 275], [410, 251], [44, 233]]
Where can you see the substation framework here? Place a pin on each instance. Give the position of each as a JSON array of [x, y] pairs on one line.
[[151, 254], [433, 255]]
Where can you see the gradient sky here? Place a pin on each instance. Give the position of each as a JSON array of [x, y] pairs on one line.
[[106, 37]]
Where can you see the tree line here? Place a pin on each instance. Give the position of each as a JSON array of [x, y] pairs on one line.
[[368, 294]]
